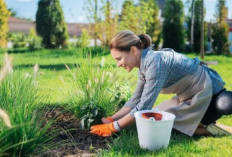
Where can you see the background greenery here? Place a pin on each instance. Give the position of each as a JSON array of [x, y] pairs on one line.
[[56, 81]]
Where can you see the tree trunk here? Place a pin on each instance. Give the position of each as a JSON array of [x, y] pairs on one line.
[[95, 23], [202, 29], [192, 24]]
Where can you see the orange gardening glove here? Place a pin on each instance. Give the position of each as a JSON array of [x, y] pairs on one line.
[[107, 120], [103, 129]]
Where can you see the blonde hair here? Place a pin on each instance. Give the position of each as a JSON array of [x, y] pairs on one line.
[[124, 40]]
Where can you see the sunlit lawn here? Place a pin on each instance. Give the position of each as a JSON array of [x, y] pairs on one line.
[[54, 80]]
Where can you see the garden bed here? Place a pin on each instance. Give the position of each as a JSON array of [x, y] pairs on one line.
[[72, 140]]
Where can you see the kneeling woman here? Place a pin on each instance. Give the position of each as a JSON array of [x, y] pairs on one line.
[[197, 87]]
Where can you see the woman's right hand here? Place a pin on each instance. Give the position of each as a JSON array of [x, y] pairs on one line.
[[107, 120]]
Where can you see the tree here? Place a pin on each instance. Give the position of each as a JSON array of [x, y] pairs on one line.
[[130, 18], [50, 24], [108, 26], [141, 18], [4, 28], [202, 30], [173, 25], [197, 27], [150, 12], [93, 15], [192, 24], [220, 30]]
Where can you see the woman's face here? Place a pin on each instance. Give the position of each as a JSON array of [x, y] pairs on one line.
[[127, 60]]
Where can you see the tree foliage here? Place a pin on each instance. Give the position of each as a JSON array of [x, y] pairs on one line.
[[93, 15], [130, 17], [197, 27], [108, 26], [50, 24], [173, 25], [150, 11], [141, 18], [220, 30], [4, 28]]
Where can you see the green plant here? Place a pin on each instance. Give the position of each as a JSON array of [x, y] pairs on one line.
[[90, 98], [34, 41], [121, 93], [83, 40], [19, 40], [90, 115], [21, 100]]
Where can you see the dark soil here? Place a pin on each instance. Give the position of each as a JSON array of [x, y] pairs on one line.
[[72, 141]]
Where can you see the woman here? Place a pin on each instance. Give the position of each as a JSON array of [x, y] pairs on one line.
[[196, 86]]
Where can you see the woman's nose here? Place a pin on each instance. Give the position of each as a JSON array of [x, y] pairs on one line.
[[119, 64]]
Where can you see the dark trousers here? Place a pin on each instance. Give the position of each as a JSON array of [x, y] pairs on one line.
[[212, 114]]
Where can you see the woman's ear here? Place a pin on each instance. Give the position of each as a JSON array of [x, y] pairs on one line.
[[133, 50]]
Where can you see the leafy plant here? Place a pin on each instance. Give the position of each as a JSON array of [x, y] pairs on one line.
[[91, 114], [83, 40], [90, 98], [21, 100], [121, 93], [34, 41], [19, 40]]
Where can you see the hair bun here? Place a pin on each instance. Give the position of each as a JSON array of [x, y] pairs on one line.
[[146, 40]]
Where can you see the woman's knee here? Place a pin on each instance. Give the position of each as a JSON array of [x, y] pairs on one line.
[[224, 103]]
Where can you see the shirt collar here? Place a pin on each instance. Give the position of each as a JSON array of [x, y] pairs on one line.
[[144, 53]]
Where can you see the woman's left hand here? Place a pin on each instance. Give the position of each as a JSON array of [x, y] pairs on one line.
[[103, 129]]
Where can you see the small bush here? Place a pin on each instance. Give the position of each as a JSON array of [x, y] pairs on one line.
[[95, 95], [83, 40], [90, 94], [121, 94], [19, 40], [34, 41]]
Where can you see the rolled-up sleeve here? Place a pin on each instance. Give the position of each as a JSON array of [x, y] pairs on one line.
[[155, 76], [137, 93]]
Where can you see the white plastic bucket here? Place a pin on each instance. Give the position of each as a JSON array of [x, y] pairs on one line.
[[153, 134]]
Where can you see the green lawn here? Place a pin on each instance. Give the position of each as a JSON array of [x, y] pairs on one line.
[[55, 80]]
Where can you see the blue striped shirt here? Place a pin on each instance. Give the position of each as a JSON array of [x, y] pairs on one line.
[[161, 69]]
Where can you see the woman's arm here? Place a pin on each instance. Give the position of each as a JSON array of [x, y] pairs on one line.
[[126, 121], [121, 113]]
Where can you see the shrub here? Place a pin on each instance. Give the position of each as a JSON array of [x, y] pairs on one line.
[[90, 93], [50, 24], [121, 94], [19, 40], [34, 41], [83, 41], [95, 93]]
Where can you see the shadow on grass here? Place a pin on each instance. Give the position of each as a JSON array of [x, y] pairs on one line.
[[80, 52], [48, 67], [59, 67]]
